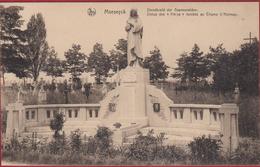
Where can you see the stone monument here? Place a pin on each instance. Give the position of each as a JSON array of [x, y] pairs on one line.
[[134, 105], [132, 100]]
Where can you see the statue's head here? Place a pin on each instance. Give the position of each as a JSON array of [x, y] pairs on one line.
[[133, 13]]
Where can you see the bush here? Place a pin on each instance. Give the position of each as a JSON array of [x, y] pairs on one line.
[[171, 154], [205, 150], [30, 143], [56, 124], [248, 152], [150, 149], [75, 141], [144, 147], [58, 145], [90, 147], [145, 150], [103, 141]]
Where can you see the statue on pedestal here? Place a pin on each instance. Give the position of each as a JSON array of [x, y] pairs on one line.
[[42, 95], [104, 88], [66, 91], [34, 85], [19, 94], [134, 30], [236, 94]]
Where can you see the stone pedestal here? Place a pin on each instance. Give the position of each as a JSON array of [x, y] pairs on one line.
[[229, 126], [127, 103], [132, 96], [15, 119]]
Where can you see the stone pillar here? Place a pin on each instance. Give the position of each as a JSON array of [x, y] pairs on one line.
[[187, 115], [15, 119], [206, 116], [132, 96], [82, 114], [221, 119], [229, 126], [41, 115]]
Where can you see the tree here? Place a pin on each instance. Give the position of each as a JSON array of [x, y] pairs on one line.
[[13, 57], [224, 73], [247, 64], [53, 65], [156, 65], [59, 144], [222, 64], [37, 48], [213, 56], [75, 61], [240, 67], [192, 67], [118, 56], [181, 71], [99, 62], [56, 124]]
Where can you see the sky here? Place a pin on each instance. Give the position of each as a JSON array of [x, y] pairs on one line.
[[69, 23]]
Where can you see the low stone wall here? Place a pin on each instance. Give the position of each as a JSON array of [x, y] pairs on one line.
[[21, 117], [189, 120], [201, 116]]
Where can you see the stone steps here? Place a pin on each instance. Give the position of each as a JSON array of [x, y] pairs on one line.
[[169, 139], [66, 128], [189, 132], [50, 134], [45, 131], [176, 136]]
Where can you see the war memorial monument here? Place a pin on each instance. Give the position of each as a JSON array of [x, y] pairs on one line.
[[135, 104]]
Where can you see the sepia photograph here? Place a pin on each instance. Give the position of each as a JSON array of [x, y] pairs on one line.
[[129, 83]]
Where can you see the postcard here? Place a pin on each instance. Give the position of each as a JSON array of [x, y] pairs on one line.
[[130, 83]]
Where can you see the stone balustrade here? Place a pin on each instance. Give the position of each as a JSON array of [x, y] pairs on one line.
[[180, 119], [195, 116], [221, 118], [41, 114], [22, 116]]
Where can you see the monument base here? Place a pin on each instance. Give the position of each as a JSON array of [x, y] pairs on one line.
[[131, 104], [126, 104]]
